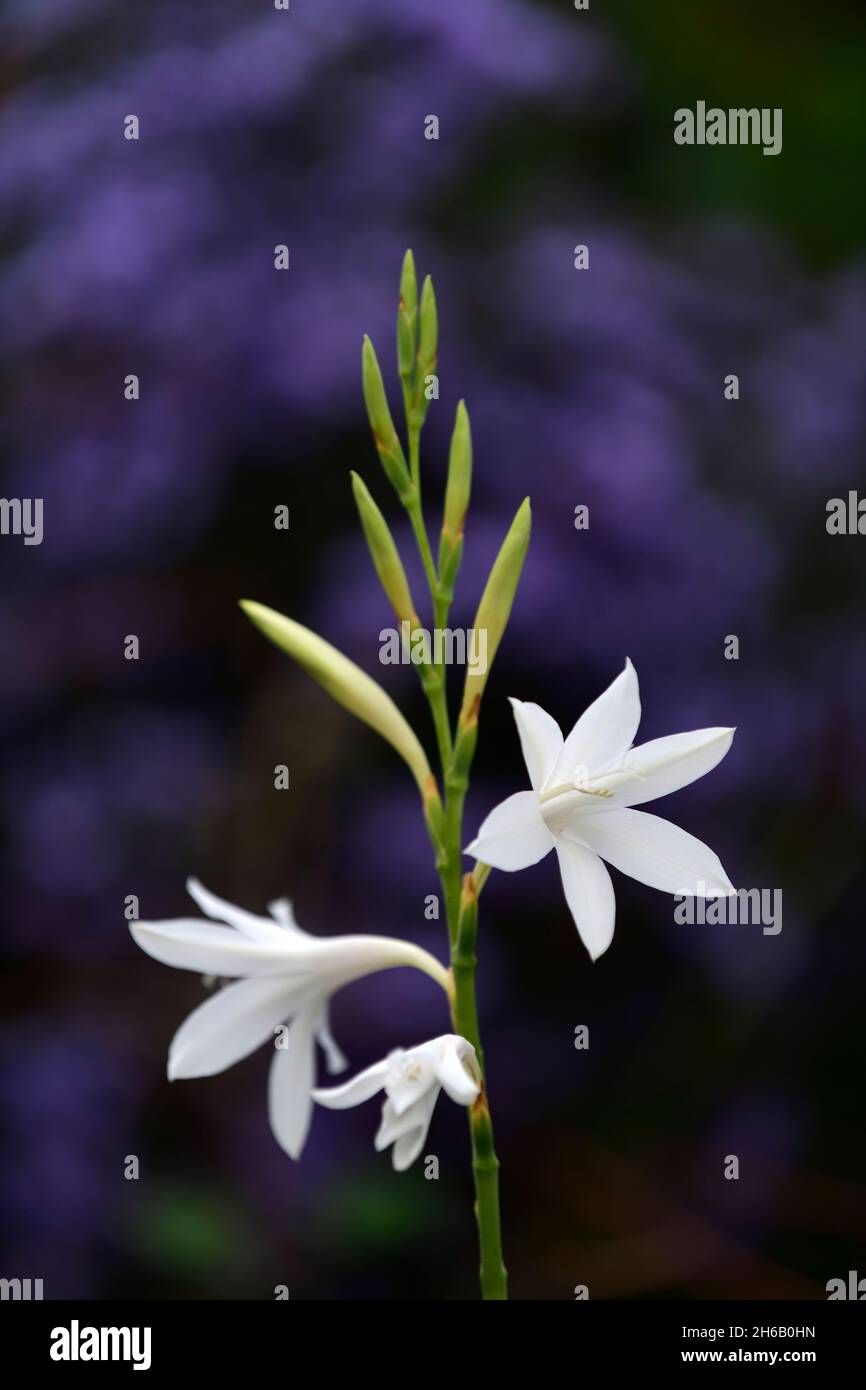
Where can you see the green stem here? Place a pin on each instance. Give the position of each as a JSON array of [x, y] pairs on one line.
[[456, 784], [485, 1164], [455, 795], [413, 507], [415, 510], [434, 689], [413, 431], [434, 684], [461, 907]]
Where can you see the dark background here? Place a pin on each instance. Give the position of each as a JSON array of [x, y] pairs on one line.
[[707, 518]]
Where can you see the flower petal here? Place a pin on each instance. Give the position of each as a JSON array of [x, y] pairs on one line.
[[604, 731], [256, 928], [514, 835], [413, 1073], [356, 1091], [393, 1123], [589, 894], [407, 1132], [190, 944], [407, 1148], [540, 740], [451, 1070], [228, 1026], [290, 1085], [655, 852], [665, 764]]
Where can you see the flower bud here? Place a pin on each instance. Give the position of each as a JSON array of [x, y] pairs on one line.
[[459, 482], [346, 683], [428, 340], [407, 320], [428, 337], [389, 566], [387, 443], [495, 607]]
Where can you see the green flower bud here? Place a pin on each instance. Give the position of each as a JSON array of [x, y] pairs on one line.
[[348, 685], [459, 482], [387, 443], [389, 566], [428, 338], [407, 320], [495, 608]]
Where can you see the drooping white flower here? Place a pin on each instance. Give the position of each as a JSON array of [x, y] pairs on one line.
[[584, 789], [411, 1080], [282, 975]]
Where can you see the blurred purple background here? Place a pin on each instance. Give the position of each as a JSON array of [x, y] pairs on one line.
[[604, 388]]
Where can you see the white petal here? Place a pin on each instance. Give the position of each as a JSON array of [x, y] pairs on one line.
[[407, 1148], [514, 835], [451, 1071], [604, 731], [540, 739], [356, 1091], [589, 894], [392, 1125], [256, 928], [665, 764], [290, 1085], [190, 944], [396, 1123], [228, 1026], [406, 1132], [404, 1093], [655, 852], [347, 958]]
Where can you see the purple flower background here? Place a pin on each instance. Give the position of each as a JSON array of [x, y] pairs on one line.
[[601, 387]]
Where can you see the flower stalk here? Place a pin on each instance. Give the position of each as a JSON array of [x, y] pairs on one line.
[[485, 1164], [417, 350]]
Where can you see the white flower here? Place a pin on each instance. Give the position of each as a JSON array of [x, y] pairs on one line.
[[583, 791], [412, 1081], [285, 974]]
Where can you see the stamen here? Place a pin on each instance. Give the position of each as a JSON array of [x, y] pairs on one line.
[[555, 791], [606, 792]]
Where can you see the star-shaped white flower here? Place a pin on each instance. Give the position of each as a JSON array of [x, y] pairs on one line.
[[411, 1081], [583, 791], [282, 975]]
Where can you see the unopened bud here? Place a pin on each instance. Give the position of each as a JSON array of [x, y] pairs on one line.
[[495, 607], [387, 442], [346, 683], [383, 550]]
